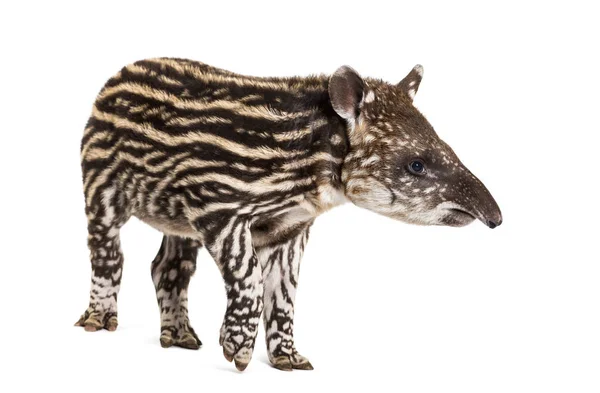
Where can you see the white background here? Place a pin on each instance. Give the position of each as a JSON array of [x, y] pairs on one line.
[[382, 306]]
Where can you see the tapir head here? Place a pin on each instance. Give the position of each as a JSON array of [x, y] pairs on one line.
[[397, 165]]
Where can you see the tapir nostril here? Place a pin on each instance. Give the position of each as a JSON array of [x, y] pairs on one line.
[[493, 224]]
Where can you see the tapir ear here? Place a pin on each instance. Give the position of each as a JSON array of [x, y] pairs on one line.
[[346, 92], [410, 83]]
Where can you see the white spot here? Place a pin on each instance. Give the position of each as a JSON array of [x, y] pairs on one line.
[[370, 97], [187, 265], [371, 160], [116, 275]]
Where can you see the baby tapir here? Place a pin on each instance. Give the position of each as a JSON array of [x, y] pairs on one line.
[[242, 166]]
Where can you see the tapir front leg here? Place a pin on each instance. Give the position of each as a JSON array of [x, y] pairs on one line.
[[232, 249], [281, 265]]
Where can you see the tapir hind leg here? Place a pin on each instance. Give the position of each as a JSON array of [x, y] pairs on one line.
[[172, 269], [105, 218]]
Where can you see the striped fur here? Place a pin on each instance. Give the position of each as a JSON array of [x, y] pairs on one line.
[[242, 165]]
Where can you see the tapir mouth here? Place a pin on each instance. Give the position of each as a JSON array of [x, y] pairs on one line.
[[462, 217], [459, 217], [462, 212]]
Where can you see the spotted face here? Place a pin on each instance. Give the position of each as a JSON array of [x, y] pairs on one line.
[[397, 165]]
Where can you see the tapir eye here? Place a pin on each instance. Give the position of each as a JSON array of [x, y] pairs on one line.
[[417, 167]]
